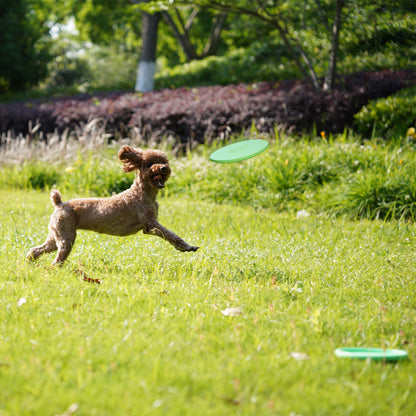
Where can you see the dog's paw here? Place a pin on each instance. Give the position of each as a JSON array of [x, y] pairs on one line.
[[187, 248]]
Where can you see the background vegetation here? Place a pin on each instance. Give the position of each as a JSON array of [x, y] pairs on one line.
[[330, 175], [374, 35]]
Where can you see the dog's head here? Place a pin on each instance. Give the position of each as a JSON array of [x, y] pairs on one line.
[[153, 165]]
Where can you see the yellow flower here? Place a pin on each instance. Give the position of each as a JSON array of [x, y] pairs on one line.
[[323, 135], [70, 169], [411, 132]]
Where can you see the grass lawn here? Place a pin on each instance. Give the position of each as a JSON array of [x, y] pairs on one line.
[[152, 339]]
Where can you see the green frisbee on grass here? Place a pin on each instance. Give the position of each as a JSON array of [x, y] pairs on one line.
[[236, 152], [377, 354]]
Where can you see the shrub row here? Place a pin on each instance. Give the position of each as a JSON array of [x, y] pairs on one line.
[[388, 117], [198, 113]]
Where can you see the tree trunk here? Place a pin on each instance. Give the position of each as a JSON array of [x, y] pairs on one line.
[[332, 66], [309, 74], [147, 64], [214, 38]]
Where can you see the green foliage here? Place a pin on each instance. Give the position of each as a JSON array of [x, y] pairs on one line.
[[88, 175], [373, 36], [111, 68], [378, 39], [66, 71], [29, 175], [287, 18], [389, 117], [108, 22], [340, 177], [366, 44], [195, 28], [385, 32], [152, 338], [24, 39], [94, 68], [259, 62], [373, 196]]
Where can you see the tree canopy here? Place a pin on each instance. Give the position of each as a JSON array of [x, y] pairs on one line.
[[24, 43], [311, 38], [287, 17]]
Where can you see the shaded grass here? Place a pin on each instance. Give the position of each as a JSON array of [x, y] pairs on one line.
[[151, 339]]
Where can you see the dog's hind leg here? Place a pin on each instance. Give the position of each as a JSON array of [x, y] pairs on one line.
[[47, 247], [64, 248]]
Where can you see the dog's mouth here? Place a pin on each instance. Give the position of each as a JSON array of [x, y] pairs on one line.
[[158, 181]]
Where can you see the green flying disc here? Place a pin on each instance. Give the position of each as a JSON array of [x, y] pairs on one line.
[[378, 354], [236, 152]]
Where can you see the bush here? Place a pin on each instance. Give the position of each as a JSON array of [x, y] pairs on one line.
[[242, 65], [29, 175], [373, 196], [341, 177], [90, 175], [388, 117], [65, 72], [87, 175], [372, 181], [197, 114]]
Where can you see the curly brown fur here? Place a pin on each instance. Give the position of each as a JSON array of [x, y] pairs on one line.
[[129, 212], [131, 158]]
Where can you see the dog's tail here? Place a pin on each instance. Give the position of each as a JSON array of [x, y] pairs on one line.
[[56, 198]]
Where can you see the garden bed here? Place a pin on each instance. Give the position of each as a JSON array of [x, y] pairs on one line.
[[195, 114]]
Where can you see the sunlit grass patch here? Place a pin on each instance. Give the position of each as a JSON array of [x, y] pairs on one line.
[[152, 337]]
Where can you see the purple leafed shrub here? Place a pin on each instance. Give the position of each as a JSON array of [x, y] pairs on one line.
[[207, 112]]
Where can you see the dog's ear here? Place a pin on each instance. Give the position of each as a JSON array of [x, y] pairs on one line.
[[132, 158]]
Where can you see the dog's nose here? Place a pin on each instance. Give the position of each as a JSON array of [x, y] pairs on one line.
[[164, 169]]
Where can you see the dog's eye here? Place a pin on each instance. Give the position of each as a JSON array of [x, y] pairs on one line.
[[148, 165]]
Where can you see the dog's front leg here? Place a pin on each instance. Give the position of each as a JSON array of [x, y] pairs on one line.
[[159, 230]]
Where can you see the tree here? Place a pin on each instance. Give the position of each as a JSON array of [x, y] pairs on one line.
[[105, 22], [332, 65], [181, 29], [147, 64], [24, 42], [109, 21], [283, 16]]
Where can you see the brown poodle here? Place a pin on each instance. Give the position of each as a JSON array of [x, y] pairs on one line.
[[133, 210]]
